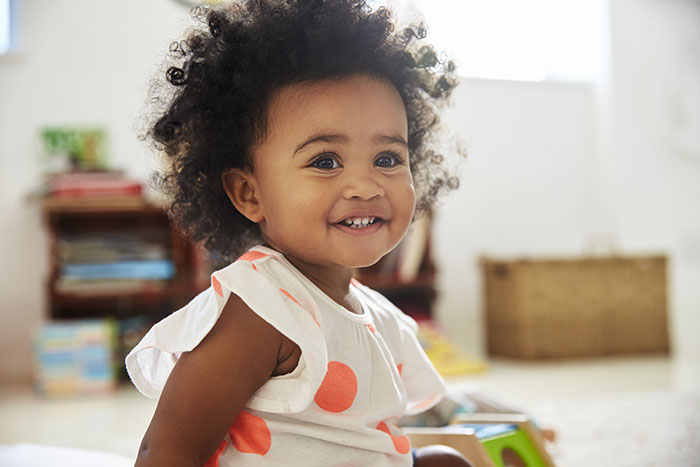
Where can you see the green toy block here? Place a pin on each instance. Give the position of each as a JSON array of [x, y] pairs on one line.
[[517, 441]]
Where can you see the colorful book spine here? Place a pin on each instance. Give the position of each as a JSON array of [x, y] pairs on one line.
[[75, 357], [138, 269], [89, 184]]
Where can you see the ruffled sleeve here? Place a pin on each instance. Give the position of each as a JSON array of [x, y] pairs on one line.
[[286, 307], [424, 385]]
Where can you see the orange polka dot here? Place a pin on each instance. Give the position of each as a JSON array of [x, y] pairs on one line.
[[429, 402], [381, 426], [250, 434], [400, 368], [338, 389], [289, 296], [251, 256], [214, 459], [217, 286], [401, 443], [371, 328]]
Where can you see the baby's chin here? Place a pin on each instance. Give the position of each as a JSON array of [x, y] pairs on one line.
[[348, 256], [355, 261], [360, 261]]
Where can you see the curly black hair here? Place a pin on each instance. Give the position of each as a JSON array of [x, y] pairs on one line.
[[211, 109]]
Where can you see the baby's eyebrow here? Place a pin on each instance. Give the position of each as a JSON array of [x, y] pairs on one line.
[[387, 139], [322, 139], [377, 139]]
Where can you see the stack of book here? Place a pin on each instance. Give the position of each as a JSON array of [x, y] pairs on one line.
[[73, 358], [92, 188], [105, 262]]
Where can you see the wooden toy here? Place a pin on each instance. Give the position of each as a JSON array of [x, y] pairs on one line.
[[462, 439], [489, 440]]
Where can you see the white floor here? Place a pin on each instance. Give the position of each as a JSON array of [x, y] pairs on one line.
[[564, 395]]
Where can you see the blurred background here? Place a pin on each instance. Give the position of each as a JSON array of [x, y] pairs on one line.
[[581, 120]]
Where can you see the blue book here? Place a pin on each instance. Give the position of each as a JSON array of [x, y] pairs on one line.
[[140, 269]]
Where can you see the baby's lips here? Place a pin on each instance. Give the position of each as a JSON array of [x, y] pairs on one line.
[[377, 214], [370, 219]]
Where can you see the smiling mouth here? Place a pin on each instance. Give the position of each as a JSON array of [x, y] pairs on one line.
[[359, 222]]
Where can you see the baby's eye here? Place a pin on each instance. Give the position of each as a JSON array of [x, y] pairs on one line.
[[325, 162], [388, 159]]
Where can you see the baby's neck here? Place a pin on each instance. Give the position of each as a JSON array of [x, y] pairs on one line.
[[333, 281]]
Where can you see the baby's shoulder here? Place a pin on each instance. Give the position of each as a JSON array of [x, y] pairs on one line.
[[252, 259], [268, 284], [259, 267]]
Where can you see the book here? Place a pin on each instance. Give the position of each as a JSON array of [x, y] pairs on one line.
[[75, 357], [92, 203], [85, 184], [106, 247], [412, 250], [448, 358], [90, 287], [139, 269]]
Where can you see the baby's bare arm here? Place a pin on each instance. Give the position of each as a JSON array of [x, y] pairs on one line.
[[208, 388]]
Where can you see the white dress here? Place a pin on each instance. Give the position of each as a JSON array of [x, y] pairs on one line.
[[357, 374]]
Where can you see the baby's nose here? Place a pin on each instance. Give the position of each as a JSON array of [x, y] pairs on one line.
[[362, 186]]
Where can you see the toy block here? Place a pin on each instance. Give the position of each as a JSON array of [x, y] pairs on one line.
[[462, 439], [488, 440], [514, 436]]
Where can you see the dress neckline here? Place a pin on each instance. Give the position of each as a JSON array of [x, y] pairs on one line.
[[363, 317]]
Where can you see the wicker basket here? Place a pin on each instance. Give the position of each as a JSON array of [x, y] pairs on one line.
[[576, 307]]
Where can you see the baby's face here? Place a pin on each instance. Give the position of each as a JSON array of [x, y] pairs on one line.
[[332, 175]]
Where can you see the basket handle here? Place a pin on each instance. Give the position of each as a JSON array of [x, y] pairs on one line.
[[602, 245]]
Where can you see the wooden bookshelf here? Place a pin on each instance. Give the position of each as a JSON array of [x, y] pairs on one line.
[[130, 216], [414, 292]]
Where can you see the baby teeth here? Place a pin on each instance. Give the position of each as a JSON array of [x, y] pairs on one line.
[[358, 222]]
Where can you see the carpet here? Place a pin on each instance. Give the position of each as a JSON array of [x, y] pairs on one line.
[[654, 429]]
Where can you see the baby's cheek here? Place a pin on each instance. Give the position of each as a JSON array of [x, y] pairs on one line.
[[408, 183], [407, 198]]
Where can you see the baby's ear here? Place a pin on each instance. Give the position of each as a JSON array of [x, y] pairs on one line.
[[240, 188]]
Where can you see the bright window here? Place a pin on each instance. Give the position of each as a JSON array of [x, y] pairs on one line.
[[529, 40], [5, 26]]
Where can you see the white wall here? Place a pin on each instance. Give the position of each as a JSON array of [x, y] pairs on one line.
[[549, 163], [655, 144], [80, 62], [552, 164], [527, 187]]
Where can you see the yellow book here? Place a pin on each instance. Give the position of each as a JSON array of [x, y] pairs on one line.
[[448, 359]]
